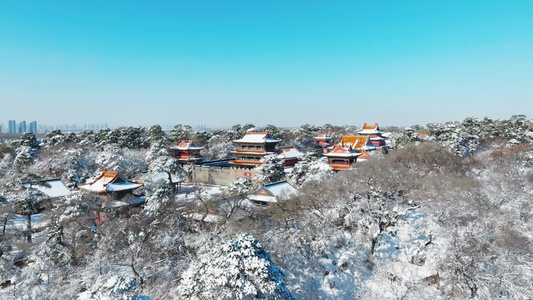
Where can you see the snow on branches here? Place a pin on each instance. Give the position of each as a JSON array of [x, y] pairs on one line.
[[237, 269]]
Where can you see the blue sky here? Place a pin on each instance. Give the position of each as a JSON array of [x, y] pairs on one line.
[[285, 63]]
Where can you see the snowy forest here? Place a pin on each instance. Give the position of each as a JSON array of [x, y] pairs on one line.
[[446, 213]]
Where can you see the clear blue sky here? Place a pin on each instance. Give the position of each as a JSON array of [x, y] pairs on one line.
[[285, 63]]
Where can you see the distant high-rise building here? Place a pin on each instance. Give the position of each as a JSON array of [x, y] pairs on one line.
[[33, 126], [22, 127], [12, 126], [1, 127]]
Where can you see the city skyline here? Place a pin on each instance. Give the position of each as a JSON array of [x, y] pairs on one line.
[[16, 127], [287, 64]]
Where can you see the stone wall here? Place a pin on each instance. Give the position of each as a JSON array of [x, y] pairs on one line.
[[219, 175]]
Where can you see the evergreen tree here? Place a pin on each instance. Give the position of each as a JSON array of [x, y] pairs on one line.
[[237, 269], [271, 169]]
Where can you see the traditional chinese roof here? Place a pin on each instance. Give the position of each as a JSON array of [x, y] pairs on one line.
[[53, 188], [357, 142], [249, 151], [322, 137], [245, 162], [340, 167], [364, 155], [341, 151], [376, 138], [187, 157], [370, 129], [289, 152], [109, 181], [187, 145], [256, 138], [274, 192]]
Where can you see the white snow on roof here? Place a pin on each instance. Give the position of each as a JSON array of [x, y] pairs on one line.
[[122, 186], [262, 198], [251, 152], [333, 154], [97, 186], [104, 185], [370, 147], [187, 148], [370, 131], [282, 189], [292, 153], [56, 189], [278, 191], [256, 138]]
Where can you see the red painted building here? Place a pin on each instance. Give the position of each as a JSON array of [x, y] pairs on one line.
[[375, 134], [252, 147], [341, 158], [289, 155], [323, 140], [187, 152]]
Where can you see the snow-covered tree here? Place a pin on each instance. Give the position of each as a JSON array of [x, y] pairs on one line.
[[159, 188], [218, 147], [304, 134], [309, 167], [157, 194], [27, 203], [405, 137], [274, 131], [180, 132], [23, 156], [240, 186], [157, 135], [237, 269], [114, 286], [201, 137], [130, 162], [235, 195], [28, 139], [131, 137], [53, 137], [159, 160], [271, 169], [462, 138], [88, 137]]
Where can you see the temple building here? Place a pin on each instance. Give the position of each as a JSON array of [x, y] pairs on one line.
[[187, 152], [341, 158], [109, 182], [323, 141], [289, 155], [252, 147], [375, 134], [273, 193], [348, 150], [358, 142]]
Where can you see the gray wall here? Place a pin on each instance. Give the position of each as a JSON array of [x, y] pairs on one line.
[[219, 175]]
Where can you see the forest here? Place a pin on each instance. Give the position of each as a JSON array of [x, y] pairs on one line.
[[447, 213]]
